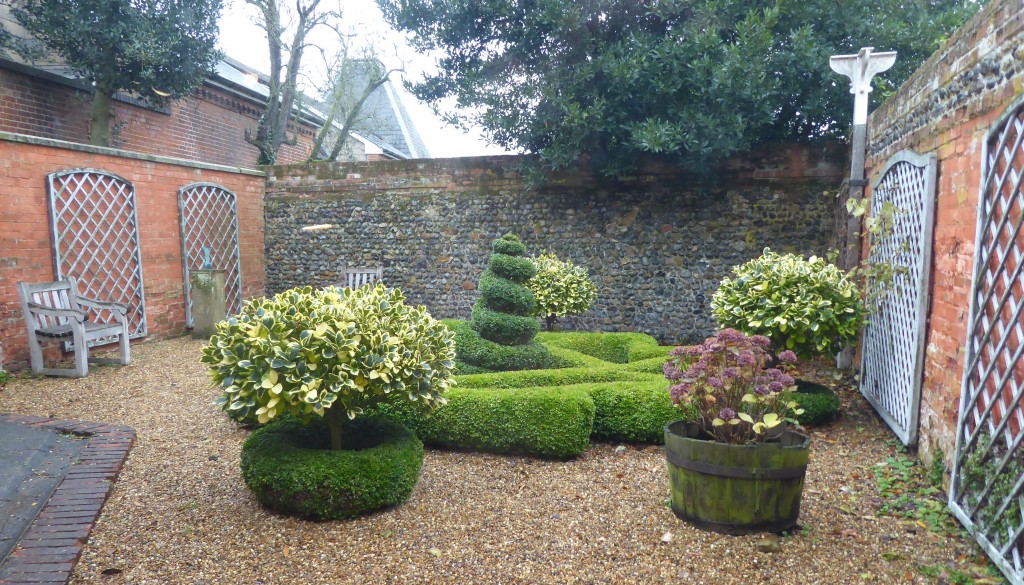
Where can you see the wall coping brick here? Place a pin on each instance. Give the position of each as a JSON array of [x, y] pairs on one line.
[[88, 148]]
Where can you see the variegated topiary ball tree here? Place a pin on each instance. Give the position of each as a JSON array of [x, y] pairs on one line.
[[807, 306], [503, 325], [329, 353], [560, 288]]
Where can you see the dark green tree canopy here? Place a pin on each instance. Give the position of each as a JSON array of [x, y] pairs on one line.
[[688, 80], [159, 49]]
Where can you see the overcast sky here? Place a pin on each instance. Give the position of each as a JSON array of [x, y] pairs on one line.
[[245, 42]]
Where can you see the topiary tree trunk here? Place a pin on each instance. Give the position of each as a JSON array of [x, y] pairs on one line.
[[550, 321], [335, 419]]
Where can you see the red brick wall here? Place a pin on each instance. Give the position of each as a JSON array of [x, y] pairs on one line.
[[208, 126], [948, 107], [25, 250]]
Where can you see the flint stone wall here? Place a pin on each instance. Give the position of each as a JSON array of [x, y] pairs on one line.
[[656, 245]]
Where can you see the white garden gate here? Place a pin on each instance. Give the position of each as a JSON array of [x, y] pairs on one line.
[[988, 467], [893, 351]]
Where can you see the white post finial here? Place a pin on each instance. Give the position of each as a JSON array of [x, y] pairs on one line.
[[861, 68]]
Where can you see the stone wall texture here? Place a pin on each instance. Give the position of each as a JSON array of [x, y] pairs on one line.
[[656, 245], [25, 246], [947, 107]]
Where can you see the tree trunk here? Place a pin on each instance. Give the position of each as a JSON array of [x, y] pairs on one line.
[[352, 117], [99, 132], [550, 321], [335, 421]]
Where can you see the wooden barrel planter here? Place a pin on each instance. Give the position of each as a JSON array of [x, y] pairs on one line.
[[735, 489]]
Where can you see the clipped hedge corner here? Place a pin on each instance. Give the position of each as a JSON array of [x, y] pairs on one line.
[[633, 412], [553, 423], [291, 468], [819, 402]]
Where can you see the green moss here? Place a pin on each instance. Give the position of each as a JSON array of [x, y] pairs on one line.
[[290, 467]]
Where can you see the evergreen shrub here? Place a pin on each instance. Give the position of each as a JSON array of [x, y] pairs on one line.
[[291, 468], [808, 306]]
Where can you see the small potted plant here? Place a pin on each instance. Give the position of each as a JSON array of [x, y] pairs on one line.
[[737, 468]]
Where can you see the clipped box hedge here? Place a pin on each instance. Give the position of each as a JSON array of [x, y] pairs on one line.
[[633, 412], [291, 468], [819, 402], [546, 378], [552, 423], [617, 348], [601, 386]]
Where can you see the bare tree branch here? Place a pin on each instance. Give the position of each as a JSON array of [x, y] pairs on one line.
[[350, 83], [271, 130]]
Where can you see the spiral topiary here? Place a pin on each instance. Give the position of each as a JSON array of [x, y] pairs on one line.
[[502, 318]]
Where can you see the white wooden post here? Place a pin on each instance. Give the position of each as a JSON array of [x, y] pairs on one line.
[[860, 68]]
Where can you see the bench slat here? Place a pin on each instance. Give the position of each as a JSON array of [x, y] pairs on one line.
[[92, 330]]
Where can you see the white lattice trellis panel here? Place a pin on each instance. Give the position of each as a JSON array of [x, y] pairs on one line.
[[893, 351], [95, 231], [209, 223], [988, 469]]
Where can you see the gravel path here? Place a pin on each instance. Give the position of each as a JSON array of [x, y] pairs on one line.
[[181, 514]]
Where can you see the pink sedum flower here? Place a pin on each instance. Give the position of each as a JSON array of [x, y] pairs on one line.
[[724, 385]]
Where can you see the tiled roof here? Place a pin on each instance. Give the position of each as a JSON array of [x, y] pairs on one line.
[[384, 119]]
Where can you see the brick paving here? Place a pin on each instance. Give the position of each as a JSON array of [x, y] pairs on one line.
[[50, 547]]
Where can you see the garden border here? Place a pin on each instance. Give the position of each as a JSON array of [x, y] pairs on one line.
[[52, 544]]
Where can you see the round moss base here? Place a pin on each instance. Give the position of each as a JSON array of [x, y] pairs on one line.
[[291, 469], [819, 402]]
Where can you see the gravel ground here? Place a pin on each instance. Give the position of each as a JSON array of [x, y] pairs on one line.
[[181, 514]]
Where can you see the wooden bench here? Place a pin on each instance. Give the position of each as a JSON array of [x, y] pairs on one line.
[[56, 311]]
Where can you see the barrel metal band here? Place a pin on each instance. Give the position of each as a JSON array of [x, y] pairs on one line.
[[739, 472]]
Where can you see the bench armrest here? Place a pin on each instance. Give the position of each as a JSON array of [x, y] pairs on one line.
[[119, 308], [37, 309]]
